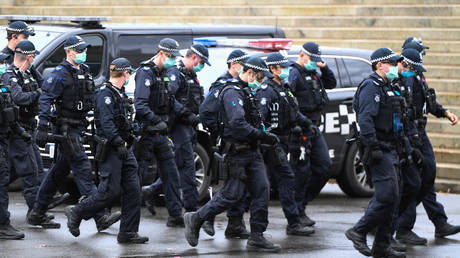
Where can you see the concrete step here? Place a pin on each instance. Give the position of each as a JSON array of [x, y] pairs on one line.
[[448, 98], [445, 141], [447, 155], [374, 33], [442, 58], [444, 84], [302, 21], [448, 171], [442, 126], [220, 2], [447, 185], [442, 71], [235, 10]]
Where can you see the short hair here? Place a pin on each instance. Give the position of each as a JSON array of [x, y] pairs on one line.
[[189, 53], [259, 75], [115, 74], [20, 56], [374, 67]]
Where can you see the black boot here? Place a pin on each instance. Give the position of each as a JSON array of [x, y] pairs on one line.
[[37, 217], [131, 238], [397, 246], [8, 232], [298, 230], [258, 243], [236, 228], [306, 221], [380, 251], [208, 227], [446, 229], [409, 237], [359, 241], [192, 227], [58, 200], [175, 222], [73, 220], [147, 195], [107, 220]]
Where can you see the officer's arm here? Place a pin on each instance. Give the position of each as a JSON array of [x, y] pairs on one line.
[[294, 79], [303, 120], [266, 98], [104, 104], [37, 76], [144, 80], [328, 78], [19, 97], [16, 128], [174, 83], [369, 101], [209, 110], [52, 88], [233, 107]]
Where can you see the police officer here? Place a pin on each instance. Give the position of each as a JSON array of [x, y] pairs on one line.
[[424, 102], [16, 32], [378, 107], [118, 166], [309, 88], [280, 115], [210, 118], [25, 93], [245, 167], [70, 88], [8, 123], [155, 110], [188, 92]]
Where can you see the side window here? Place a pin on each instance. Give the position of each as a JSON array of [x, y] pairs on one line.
[[138, 48], [355, 71], [93, 60]]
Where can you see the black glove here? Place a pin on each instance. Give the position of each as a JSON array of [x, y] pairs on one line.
[[417, 157], [42, 135], [268, 138], [121, 148], [415, 142], [26, 137], [314, 130], [376, 154], [191, 119], [297, 130], [160, 127]]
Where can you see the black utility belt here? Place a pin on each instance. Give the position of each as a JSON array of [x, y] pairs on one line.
[[421, 122], [237, 147]]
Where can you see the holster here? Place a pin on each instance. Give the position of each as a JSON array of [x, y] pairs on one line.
[[101, 148], [233, 170], [275, 156]]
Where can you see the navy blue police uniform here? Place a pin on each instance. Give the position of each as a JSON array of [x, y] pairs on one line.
[[155, 106], [377, 107], [309, 88]]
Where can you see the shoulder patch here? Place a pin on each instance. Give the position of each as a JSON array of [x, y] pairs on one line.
[[14, 79], [107, 100], [59, 67], [240, 101], [147, 83], [172, 77], [216, 94], [377, 98], [50, 80], [263, 101], [146, 68], [264, 86]]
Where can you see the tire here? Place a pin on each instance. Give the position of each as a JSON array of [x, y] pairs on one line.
[[201, 167], [352, 180]]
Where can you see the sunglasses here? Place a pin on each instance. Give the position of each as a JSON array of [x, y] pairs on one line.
[[167, 54], [390, 62]]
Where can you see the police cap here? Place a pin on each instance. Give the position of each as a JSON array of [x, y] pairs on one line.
[[20, 27], [201, 51], [26, 47], [413, 58], [312, 49], [169, 45], [76, 42], [256, 63]]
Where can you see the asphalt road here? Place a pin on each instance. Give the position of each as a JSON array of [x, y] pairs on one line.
[[333, 211]]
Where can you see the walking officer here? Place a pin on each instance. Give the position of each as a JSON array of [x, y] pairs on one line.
[[155, 110], [25, 93], [280, 115], [245, 166], [8, 125], [70, 88], [424, 102], [117, 164], [310, 90], [378, 109], [188, 92]]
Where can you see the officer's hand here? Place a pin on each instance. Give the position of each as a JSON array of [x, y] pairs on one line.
[[314, 130], [121, 148], [161, 128], [26, 137], [452, 118], [321, 64], [192, 119], [269, 138], [417, 157], [42, 135], [297, 130]]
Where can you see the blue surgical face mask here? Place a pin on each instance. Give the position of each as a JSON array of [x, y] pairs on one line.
[[2, 68], [310, 66], [198, 67], [126, 82], [240, 71], [80, 58], [284, 73], [407, 74], [254, 85], [169, 62], [393, 73]]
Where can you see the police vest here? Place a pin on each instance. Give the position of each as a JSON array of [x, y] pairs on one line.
[[210, 116], [283, 112], [161, 100], [77, 99], [192, 95], [28, 84], [9, 112], [123, 111], [312, 95]]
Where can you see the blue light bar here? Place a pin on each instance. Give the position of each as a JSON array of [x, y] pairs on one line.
[[208, 41]]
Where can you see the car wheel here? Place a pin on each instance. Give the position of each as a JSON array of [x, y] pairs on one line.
[[353, 180], [201, 167]]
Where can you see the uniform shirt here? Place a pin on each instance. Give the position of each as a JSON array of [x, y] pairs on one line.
[[14, 127], [13, 78], [236, 128], [54, 86], [37, 75], [271, 100]]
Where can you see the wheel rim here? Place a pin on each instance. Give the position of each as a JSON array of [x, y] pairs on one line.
[[199, 170], [360, 173]]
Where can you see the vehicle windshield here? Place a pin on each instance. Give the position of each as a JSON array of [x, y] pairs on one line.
[[40, 40]]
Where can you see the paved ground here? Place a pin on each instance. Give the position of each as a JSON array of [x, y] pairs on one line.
[[333, 211]]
